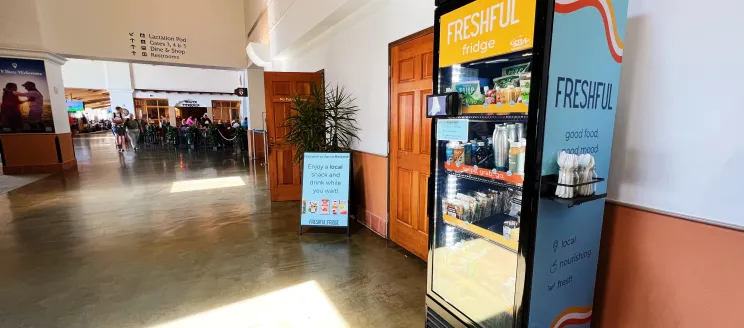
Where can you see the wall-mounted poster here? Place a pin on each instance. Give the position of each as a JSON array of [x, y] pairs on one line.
[[25, 106]]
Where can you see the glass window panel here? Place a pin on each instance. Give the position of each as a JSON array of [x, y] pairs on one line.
[[477, 210]]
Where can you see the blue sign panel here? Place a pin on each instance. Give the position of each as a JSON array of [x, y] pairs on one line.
[[325, 189], [584, 75], [454, 129]]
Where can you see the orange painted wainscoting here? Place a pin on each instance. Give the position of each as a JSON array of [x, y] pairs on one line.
[[26, 153], [370, 190], [658, 271]]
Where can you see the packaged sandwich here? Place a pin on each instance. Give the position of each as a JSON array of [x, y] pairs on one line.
[[449, 207], [486, 204], [471, 205]]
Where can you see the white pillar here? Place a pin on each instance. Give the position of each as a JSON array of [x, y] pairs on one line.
[[119, 85], [256, 98], [57, 96], [122, 98], [244, 101]]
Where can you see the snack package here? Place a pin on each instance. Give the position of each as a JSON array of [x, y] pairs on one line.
[[457, 208], [458, 155], [496, 207], [509, 227], [515, 69], [470, 91], [449, 207], [471, 205], [505, 81], [486, 204], [515, 205], [505, 201]]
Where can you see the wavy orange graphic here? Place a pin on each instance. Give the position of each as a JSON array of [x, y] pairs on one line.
[[608, 16], [576, 315]]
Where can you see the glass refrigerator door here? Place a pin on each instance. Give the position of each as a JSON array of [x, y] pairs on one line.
[[478, 188]]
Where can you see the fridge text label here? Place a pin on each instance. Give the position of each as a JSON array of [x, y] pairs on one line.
[[589, 134], [482, 21], [584, 94], [484, 29]]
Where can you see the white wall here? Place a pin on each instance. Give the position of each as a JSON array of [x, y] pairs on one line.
[[57, 97], [355, 55], [119, 76], [160, 77], [289, 20], [93, 74], [253, 15], [214, 30], [85, 74], [256, 98], [678, 148], [19, 26]]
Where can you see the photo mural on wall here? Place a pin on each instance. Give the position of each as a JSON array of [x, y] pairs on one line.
[[25, 106]]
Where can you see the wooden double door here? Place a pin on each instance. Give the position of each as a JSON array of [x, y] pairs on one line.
[[411, 65], [285, 180]]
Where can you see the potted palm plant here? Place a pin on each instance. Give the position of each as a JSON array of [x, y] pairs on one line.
[[323, 121]]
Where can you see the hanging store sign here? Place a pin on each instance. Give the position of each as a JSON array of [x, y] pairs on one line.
[[188, 103], [241, 92], [485, 29]]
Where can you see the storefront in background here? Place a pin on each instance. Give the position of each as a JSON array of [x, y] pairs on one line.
[[158, 107]]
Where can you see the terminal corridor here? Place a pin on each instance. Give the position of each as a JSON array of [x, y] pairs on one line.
[[167, 238]]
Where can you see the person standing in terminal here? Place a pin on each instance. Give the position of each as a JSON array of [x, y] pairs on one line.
[[133, 131], [119, 129], [245, 123], [206, 121]]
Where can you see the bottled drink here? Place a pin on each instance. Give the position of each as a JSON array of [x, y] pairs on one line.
[[500, 149]]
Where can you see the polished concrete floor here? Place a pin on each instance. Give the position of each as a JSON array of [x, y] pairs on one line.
[[165, 238]]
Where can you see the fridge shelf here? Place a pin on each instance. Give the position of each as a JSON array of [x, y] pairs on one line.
[[550, 183], [496, 109], [571, 202], [499, 178], [478, 231], [513, 117]]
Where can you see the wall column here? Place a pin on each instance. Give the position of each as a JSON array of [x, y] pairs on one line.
[[119, 85], [28, 148], [122, 98]]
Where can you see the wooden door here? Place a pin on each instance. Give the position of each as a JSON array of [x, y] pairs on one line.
[[411, 64], [285, 182]]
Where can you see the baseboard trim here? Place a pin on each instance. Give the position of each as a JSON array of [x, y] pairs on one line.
[[42, 168]]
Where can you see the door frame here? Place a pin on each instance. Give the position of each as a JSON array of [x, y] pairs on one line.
[[391, 45], [271, 166]]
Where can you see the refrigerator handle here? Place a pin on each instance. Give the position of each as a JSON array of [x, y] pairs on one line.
[[430, 196]]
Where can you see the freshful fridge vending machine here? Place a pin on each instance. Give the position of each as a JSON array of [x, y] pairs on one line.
[[524, 106]]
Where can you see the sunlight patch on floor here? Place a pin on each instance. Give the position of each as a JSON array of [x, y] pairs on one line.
[[204, 184], [303, 305]]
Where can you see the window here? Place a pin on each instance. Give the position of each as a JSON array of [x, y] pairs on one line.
[[225, 110], [153, 110]]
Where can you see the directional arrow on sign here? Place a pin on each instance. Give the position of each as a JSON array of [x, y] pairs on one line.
[[131, 40], [134, 53]]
